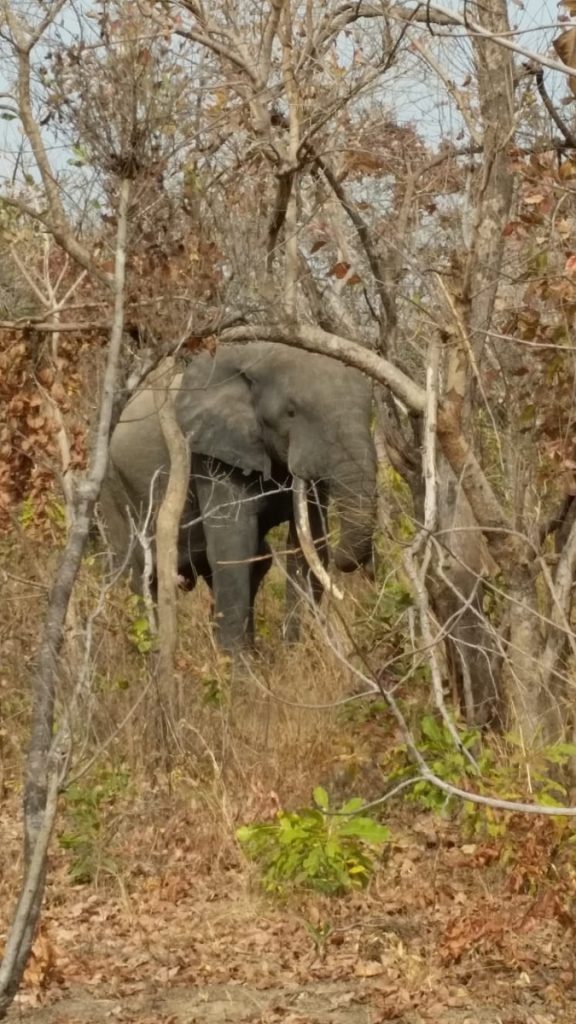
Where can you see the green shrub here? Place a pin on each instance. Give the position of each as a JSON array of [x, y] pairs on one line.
[[314, 848], [504, 765], [85, 836], [140, 634], [447, 761]]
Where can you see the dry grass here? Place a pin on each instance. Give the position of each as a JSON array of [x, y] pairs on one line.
[[169, 901], [224, 745]]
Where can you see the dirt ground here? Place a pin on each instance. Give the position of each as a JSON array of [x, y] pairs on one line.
[[219, 1004]]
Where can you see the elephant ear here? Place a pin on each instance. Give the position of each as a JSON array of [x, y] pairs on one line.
[[215, 411]]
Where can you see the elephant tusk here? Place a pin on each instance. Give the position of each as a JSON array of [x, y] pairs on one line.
[[306, 542]]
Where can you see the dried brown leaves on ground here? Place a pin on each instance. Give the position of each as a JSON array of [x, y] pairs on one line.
[[172, 934]]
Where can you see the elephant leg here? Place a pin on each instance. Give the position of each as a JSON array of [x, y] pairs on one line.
[[301, 580], [260, 568], [232, 543], [192, 560]]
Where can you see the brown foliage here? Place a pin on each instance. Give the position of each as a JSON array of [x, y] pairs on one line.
[[34, 389]]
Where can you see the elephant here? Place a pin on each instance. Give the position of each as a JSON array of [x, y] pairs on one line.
[[265, 422]]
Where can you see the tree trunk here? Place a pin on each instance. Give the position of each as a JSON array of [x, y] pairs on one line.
[[167, 535], [534, 711], [50, 751], [458, 600]]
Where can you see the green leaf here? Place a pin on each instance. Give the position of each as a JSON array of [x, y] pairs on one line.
[[549, 801], [432, 730], [355, 804], [367, 830], [559, 753], [357, 869], [321, 798]]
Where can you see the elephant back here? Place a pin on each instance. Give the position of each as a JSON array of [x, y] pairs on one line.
[[138, 451]]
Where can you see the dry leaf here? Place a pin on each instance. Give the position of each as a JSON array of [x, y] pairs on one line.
[[567, 170], [339, 270], [565, 46], [369, 969]]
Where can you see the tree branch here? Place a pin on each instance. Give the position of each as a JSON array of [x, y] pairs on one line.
[[291, 261], [48, 755], [314, 339], [436, 15], [57, 221], [382, 277], [558, 121]]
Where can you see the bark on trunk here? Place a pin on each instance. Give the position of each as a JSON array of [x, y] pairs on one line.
[[167, 530], [458, 600], [534, 711], [494, 186]]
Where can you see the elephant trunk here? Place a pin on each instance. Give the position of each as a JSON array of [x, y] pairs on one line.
[[353, 490]]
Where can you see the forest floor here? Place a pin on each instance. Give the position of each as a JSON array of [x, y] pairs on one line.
[[446, 932], [153, 916]]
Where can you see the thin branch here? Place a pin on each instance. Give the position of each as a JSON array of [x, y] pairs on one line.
[[291, 262], [48, 755], [58, 221], [62, 235], [422, 539], [42, 297], [464, 794], [314, 339], [29, 324], [434, 14], [382, 277], [451, 89], [558, 121], [211, 43], [268, 36]]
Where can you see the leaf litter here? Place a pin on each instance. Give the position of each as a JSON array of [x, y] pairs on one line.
[[444, 933]]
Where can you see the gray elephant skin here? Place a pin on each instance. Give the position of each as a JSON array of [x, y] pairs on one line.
[[256, 416]]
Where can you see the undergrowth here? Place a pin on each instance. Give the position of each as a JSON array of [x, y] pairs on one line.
[[317, 848], [89, 822], [498, 766], [237, 754]]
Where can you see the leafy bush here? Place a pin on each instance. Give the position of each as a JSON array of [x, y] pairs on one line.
[[503, 768], [140, 634], [448, 762], [86, 804], [314, 848]]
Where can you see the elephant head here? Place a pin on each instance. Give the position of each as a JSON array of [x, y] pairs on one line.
[[263, 405]]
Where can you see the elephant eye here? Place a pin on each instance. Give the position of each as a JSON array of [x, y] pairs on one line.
[[291, 411]]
